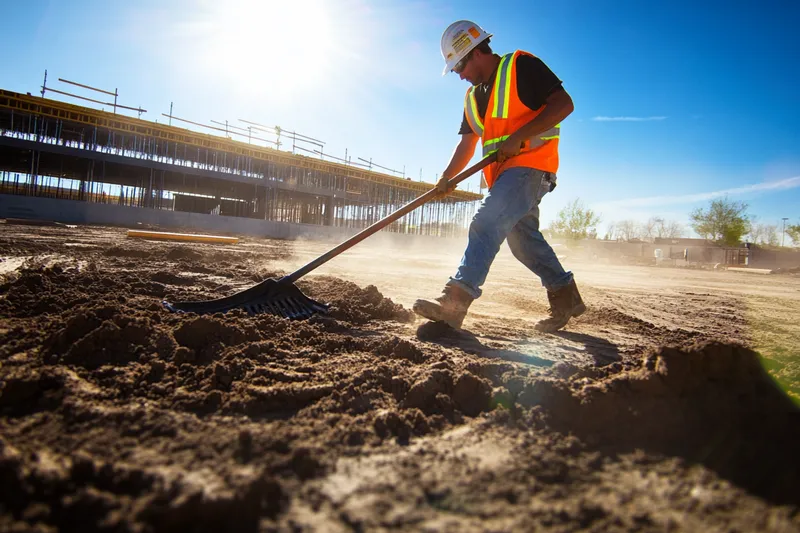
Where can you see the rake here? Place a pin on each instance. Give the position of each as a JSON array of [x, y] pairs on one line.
[[281, 296]]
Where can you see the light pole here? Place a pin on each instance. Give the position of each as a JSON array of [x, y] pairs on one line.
[[783, 234]]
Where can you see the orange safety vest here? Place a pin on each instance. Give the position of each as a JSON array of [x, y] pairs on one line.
[[505, 114]]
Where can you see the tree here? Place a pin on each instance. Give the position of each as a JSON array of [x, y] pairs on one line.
[[650, 228], [761, 233], [627, 230], [610, 232], [575, 222], [658, 228], [654, 228], [793, 231], [725, 222], [772, 235], [669, 229]]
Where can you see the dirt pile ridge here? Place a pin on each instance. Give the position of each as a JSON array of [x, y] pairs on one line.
[[710, 403]]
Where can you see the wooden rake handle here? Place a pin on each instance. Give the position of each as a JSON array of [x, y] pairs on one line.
[[379, 225]]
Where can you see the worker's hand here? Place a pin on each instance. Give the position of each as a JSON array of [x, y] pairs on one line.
[[443, 186], [509, 148]]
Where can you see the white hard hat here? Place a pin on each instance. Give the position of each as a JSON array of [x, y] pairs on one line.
[[458, 40]]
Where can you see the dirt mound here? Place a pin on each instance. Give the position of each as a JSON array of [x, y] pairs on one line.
[[352, 303], [169, 278], [122, 251], [183, 252], [711, 403], [109, 372], [38, 290], [123, 389], [54, 289]]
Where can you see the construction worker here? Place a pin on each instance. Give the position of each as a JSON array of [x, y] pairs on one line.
[[514, 106]]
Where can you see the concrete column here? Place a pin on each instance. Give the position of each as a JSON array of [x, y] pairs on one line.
[[328, 219]]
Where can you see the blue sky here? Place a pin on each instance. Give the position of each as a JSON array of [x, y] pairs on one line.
[[675, 102]]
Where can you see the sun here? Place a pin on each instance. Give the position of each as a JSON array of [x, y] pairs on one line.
[[280, 47]]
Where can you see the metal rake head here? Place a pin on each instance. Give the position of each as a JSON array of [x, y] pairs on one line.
[[276, 297]]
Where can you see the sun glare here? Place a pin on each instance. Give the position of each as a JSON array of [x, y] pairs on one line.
[[285, 46]]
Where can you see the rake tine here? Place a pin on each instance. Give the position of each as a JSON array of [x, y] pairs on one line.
[[277, 297], [303, 310], [296, 307], [291, 308], [307, 312]]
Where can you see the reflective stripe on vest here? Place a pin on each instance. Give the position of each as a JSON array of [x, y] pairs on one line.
[[471, 111], [492, 145], [552, 133], [502, 87], [502, 90]]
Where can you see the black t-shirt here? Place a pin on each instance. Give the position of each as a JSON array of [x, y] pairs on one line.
[[535, 82]]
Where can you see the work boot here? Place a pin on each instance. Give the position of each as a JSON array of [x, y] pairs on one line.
[[451, 307], [565, 303]]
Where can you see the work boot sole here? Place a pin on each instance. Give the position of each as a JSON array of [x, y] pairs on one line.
[[433, 311]]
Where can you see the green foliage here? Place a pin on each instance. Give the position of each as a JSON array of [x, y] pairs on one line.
[[725, 222], [793, 231], [575, 222]]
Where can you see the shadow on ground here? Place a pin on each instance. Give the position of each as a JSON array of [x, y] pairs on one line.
[[712, 404], [443, 335], [601, 351]]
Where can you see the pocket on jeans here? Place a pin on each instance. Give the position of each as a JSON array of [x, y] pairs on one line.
[[542, 185]]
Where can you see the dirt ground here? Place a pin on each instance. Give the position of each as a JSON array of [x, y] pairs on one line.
[[671, 405]]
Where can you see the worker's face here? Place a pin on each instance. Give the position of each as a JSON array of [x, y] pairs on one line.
[[467, 69]]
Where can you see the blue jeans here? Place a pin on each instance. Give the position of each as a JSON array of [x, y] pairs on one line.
[[510, 210]]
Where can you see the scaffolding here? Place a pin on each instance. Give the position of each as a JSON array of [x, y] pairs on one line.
[[58, 150]]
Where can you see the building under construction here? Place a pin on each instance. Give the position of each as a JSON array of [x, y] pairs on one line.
[[58, 151]]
